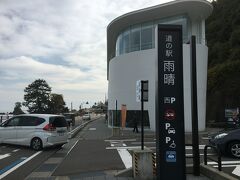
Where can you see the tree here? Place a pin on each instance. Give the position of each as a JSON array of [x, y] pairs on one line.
[[223, 89], [17, 109], [57, 104], [223, 37], [37, 96]]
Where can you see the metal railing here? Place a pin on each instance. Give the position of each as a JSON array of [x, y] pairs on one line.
[[219, 159]]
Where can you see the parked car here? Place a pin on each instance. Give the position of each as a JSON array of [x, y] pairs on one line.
[[228, 142], [35, 130], [70, 117], [86, 116]]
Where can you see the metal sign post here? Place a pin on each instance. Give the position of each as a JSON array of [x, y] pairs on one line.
[[144, 97], [171, 162]]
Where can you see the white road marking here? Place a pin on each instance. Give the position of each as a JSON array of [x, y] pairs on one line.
[[224, 162], [92, 129], [126, 157], [73, 146], [236, 171], [16, 150], [4, 156], [189, 155], [227, 165], [206, 138], [19, 165], [200, 147], [137, 143], [117, 140], [125, 147]]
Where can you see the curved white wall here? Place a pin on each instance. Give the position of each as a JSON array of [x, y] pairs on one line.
[[126, 69]]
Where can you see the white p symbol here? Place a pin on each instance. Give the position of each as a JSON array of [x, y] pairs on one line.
[[167, 125], [168, 139], [173, 99]]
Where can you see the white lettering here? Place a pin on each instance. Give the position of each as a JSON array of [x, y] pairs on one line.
[[168, 139], [173, 99], [167, 125]]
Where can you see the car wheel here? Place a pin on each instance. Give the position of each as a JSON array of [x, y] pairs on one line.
[[36, 144], [234, 149]]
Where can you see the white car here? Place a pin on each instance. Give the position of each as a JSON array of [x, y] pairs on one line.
[[86, 116], [35, 130]]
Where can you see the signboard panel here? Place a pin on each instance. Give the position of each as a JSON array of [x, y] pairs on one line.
[[139, 85], [138, 91], [169, 104]]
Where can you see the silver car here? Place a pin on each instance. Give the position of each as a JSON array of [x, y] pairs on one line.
[[35, 130], [86, 116]]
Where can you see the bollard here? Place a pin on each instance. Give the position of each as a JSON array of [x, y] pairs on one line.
[[142, 161]]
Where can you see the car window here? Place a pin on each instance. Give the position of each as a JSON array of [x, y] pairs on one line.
[[13, 122], [58, 121], [30, 121]]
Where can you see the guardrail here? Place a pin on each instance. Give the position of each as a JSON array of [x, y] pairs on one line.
[[219, 160], [72, 133]]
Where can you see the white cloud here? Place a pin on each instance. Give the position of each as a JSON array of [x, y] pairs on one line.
[[63, 42]]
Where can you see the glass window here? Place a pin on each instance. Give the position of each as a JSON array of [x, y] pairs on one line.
[[30, 121], [120, 44], [117, 46], [135, 38], [146, 36], [126, 39], [142, 36], [58, 121], [13, 122]]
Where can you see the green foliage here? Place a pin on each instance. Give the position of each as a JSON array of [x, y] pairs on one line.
[[38, 99], [17, 109], [57, 104], [223, 35], [225, 77], [223, 31], [37, 96]]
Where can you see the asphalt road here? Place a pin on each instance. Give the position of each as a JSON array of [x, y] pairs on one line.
[[16, 162], [92, 151], [89, 153]]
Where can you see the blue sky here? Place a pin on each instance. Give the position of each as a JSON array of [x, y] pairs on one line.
[[63, 42]]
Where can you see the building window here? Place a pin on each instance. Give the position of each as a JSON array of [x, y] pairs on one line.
[[126, 41], [146, 36], [142, 36], [135, 38]]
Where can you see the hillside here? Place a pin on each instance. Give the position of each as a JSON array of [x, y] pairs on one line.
[[223, 37]]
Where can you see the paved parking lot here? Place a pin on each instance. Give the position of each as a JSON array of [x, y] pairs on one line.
[[92, 152]]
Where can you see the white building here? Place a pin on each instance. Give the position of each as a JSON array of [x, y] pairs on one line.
[[131, 56]]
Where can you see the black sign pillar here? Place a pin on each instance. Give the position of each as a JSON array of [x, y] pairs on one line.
[[171, 162], [195, 140]]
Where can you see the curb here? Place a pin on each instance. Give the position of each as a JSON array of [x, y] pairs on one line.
[[214, 174]]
